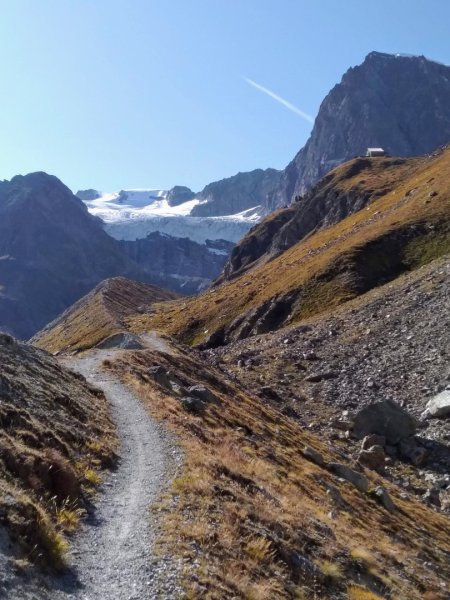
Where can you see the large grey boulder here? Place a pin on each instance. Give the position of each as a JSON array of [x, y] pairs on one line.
[[385, 418], [439, 406]]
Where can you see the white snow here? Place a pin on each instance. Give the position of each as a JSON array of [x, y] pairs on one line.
[[133, 214]]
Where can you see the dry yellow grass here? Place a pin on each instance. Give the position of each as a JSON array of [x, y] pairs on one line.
[[248, 504], [100, 314]]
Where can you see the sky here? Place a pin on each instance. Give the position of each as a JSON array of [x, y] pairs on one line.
[[117, 94]]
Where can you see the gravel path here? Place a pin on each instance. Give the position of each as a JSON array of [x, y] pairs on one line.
[[111, 555]]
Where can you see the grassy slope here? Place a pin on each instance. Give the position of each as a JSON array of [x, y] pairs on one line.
[[99, 314], [248, 504], [55, 433], [399, 231]]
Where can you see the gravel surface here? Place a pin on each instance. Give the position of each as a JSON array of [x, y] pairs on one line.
[[111, 558]]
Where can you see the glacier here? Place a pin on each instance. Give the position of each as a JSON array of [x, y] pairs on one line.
[[134, 214]]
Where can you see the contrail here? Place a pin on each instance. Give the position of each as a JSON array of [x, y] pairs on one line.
[[281, 100]]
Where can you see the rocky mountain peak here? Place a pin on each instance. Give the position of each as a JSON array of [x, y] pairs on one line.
[[398, 102]]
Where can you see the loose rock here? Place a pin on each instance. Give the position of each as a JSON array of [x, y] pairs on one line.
[[359, 480], [439, 406]]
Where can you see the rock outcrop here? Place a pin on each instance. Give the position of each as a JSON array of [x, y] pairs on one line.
[[238, 193]]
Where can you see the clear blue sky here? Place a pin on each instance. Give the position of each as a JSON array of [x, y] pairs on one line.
[[113, 94]]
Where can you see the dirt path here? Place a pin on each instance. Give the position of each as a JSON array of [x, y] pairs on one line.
[[111, 555]]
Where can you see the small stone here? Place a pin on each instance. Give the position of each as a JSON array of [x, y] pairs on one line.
[[316, 377], [359, 480], [335, 496], [203, 393], [193, 405], [410, 450], [432, 497]]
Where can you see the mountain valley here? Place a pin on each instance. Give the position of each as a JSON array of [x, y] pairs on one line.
[[243, 392]]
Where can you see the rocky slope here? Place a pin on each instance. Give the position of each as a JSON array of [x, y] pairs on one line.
[[101, 314], [399, 103], [55, 433], [387, 345]]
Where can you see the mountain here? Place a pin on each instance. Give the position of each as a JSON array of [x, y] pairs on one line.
[[397, 102], [339, 194], [400, 103], [178, 264], [52, 251], [238, 193]]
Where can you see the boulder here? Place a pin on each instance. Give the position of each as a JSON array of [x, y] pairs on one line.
[[359, 480], [124, 341], [203, 393], [384, 418], [160, 376], [193, 405], [410, 450], [439, 406], [313, 456], [373, 458], [382, 496]]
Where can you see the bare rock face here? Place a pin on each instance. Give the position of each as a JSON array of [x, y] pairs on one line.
[[399, 103], [238, 193], [179, 264]]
